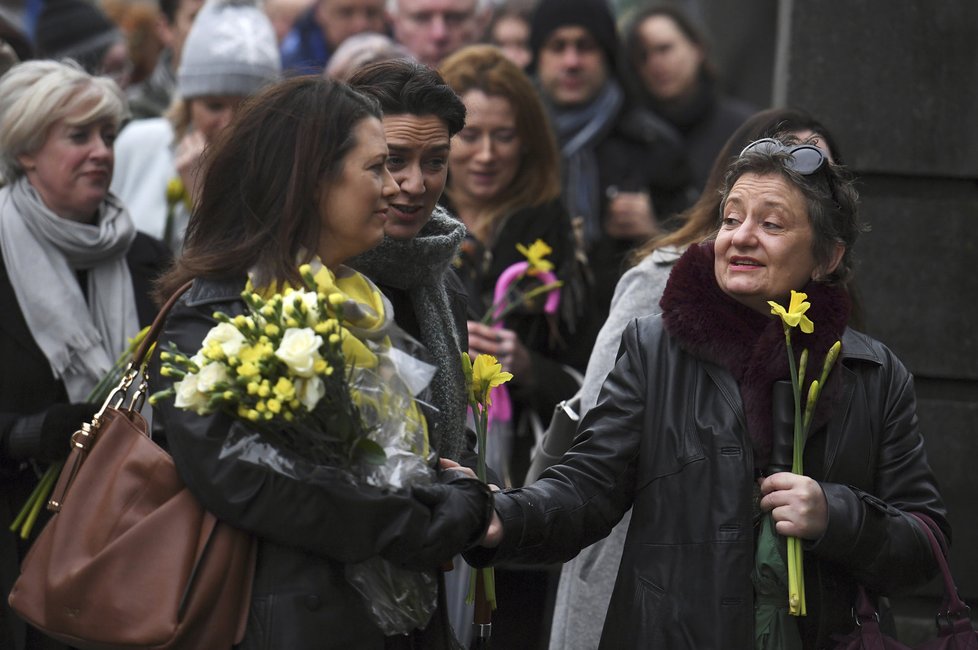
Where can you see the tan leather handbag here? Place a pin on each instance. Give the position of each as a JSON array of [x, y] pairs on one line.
[[131, 559]]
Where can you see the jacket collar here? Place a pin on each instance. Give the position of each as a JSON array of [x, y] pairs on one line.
[[205, 291], [750, 345]]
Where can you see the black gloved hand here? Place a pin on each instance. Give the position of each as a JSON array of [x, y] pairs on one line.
[[47, 435], [461, 508]]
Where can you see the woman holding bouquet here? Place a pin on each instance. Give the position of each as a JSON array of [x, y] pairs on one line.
[[300, 176], [75, 281], [683, 434], [504, 185]]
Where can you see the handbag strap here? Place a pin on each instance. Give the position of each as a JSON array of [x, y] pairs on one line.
[[954, 607], [865, 610], [83, 439], [157, 327]]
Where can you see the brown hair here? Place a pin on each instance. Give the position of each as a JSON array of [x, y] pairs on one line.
[[485, 68], [701, 220], [258, 210]]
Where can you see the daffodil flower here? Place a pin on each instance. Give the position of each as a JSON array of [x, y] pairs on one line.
[[509, 293], [795, 316], [535, 255], [487, 373], [480, 378]]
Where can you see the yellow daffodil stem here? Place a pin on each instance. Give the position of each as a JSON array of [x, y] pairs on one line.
[[45, 486], [796, 576], [483, 416], [36, 495]]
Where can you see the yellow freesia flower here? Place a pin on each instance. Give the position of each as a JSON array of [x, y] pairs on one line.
[[795, 316], [284, 389], [535, 255], [175, 191], [487, 373], [248, 369]]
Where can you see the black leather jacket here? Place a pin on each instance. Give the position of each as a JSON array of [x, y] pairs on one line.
[[307, 532], [668, 438]]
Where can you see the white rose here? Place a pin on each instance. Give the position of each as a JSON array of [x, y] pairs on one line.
[[188, 397], [310, 391], [299, 350], [210, 375], [227, 336]]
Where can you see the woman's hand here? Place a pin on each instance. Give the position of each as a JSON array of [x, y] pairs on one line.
[[631, 216], [797, 504], [186, 159], [505, 346], [448, 463], [494, 533]]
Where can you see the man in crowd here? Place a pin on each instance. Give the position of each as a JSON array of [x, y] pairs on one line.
[[323, 27], [624, 169], [151, 97], [433, 29]]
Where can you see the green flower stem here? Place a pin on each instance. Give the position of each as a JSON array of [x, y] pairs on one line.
[[796, 576], [511, 304], [46, 485], [29, 504], [488, 573]]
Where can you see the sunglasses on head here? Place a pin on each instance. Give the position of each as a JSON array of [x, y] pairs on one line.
[[805, 159]]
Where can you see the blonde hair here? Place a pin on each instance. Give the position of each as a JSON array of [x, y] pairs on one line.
[[537, 181], [34, 95]]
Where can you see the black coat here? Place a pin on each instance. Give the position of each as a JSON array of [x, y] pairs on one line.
[[307, 533], [641, 153], [686, 468], [28, 387]]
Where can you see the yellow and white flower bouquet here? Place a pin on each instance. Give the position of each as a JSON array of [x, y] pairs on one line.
[[313, 373]]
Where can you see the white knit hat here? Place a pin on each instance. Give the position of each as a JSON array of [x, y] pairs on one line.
[[230, 50]]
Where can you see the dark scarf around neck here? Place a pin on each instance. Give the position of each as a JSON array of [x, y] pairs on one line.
[[419, 266], [750, 345]]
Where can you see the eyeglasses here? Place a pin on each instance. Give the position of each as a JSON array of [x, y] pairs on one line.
[[806, 159]]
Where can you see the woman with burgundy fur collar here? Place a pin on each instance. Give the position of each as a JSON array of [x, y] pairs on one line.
[[682, 433]]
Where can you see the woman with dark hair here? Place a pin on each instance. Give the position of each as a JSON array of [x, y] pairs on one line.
[[669, 69], [509, 30], [299, 176], [583, 594], [682, 432], [413, 264]]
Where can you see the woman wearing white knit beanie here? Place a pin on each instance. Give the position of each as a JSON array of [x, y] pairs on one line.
[[230, 53]]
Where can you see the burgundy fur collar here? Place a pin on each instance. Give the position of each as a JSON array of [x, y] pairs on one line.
[[750, 345]]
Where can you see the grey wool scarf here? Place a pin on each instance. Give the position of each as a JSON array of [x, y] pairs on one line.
[[419, 266], [43, 252]]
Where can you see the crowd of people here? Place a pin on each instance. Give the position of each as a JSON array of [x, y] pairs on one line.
[[425, 151]]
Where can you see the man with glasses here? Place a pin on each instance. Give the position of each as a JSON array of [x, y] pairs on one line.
[[433, 29]]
